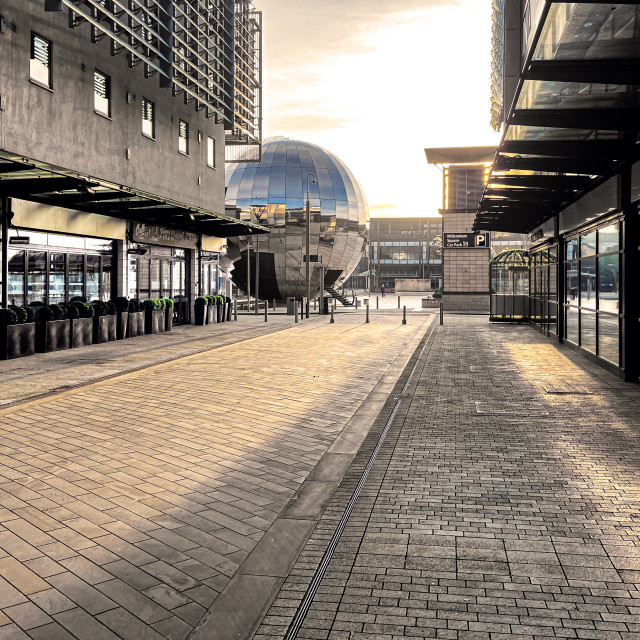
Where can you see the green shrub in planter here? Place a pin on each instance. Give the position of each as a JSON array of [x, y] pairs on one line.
[[77, 299], [7, 317], [437, 293], [168, 303], [135, 305], [36, 303], [20, 312], [31, 314], [59, 311], [121, 304], [72, 311], [100, 309], [44, 314], [111, 307], [85, 310]]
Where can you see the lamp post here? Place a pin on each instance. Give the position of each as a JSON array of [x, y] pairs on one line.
[[258, 215], [308, 254], [248, 276]]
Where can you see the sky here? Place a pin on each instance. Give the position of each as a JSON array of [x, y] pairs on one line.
[[377, 81]]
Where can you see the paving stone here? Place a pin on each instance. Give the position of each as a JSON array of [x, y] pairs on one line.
[[52, 601], [83, 626], [81, 593], [127, 626]]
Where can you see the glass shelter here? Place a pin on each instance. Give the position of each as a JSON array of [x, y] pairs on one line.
[[510, 286]]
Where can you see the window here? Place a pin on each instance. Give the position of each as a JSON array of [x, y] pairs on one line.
[[102, 94], [148, 118], [40, 63], [183, 137], [211, 153]]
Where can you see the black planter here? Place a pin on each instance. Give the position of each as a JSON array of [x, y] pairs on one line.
[[219, 312], [200, 315], [18, 340], [81, 332], [229, 305], [104, 329], [135, 326], [168, 319], [53, 335], [122, 318], [211, 314], [154, 321]]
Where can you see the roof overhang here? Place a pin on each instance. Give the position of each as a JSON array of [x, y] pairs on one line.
[[460, 155], [575, 118], [35, 181]]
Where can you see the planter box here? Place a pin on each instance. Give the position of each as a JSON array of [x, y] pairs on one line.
[[81, 332], [200, 315], [211, 314], [18, 340], [431, 303], [220, 312], [135, 326], [229, 308], [104, 329], [154, 321], [122, 319], [168, 319], [54, 335]]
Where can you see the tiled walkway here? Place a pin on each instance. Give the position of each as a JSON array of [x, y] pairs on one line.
[[504, 503], [126, 506]]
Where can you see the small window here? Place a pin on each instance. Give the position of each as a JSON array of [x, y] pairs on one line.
[[183, 137], [102, 94], [40, 63], [211, 152], [148, 118]]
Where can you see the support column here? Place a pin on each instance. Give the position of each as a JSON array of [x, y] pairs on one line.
[[630, 302], [5, 208]]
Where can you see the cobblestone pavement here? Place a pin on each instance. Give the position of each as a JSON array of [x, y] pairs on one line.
[[128, 505], [504, 503]]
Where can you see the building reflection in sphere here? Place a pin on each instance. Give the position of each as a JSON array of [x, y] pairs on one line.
[[273, 192]]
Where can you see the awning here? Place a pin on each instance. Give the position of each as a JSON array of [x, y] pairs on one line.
[[575, 119], [34, 181], [460, 155]]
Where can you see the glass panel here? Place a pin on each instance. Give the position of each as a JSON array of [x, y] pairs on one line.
[[143, 278], [16, 277], [608, 281], [572, 324], [37, 277], [76, 275], [166, 278], [571, 282], [102, 93], [588, 283], [608, 338], [106, 277], [588, 330], [148, 119], [133, 277], [205, 278], [40, 62], [155, 278], [211, 152], [572, 249], [609, 239], [183, 137], [93, 277], [588, 244], [57, 288]]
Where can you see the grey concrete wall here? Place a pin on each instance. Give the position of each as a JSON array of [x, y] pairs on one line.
[[60, 126], [466, 303]]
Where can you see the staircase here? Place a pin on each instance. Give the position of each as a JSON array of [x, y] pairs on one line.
[[340, 297]]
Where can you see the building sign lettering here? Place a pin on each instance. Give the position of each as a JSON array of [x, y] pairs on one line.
[[152, 234]]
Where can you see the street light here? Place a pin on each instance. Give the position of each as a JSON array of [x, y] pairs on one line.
[[308, 256], [258, 214]]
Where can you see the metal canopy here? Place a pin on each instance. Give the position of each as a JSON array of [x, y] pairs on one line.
[[37, 182], [575, 118]]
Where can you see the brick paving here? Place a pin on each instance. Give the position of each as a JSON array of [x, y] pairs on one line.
[[128, 505], [504, 503]]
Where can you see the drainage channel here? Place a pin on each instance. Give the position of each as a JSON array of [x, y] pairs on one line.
[[307, 600]]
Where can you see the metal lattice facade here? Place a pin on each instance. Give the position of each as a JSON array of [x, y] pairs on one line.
[[497, 64], [207, 50]]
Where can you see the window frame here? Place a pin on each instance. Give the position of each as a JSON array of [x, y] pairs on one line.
[[146, 101], [107, 90], [49, 84]]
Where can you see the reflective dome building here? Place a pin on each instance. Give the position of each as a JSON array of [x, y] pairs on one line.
[[273, 193]]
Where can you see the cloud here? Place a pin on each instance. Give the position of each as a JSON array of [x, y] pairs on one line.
[[305, 121]]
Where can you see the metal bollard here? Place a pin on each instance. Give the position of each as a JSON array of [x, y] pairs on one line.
[[441, 315], [235, 311], [377, 302], [296, 313], [266, 311], [404, 315], [367, 314], [398, 302], [331, 321], [274, 304]]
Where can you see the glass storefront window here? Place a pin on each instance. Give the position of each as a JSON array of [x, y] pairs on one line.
[[572, 249], [37, 277], [571, 289], [105, 280], [608, 281], [76, 275], [609, 337], [588, 244], [588, 330], [609, 239], [588, 283], [133, 277], [143, 278], [93, 277], [165, 278], [16, 277], [57, 277], [573, 325], [155, 278]]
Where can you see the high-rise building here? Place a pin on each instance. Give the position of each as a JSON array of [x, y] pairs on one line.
[[567, 170], [115, 119]]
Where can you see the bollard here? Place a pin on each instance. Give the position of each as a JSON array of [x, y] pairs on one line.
[[398, 302], [331, 321], [377, 302], [235, 311], [314, 306], [404, 315], [274, 304], [441, 313], [367, 313], [296, 313], [266, 311]]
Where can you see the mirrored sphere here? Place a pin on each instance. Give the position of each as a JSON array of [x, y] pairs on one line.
[[274, 193]]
